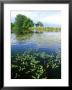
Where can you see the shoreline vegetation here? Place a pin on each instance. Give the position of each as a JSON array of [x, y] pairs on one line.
[[41, 29], [34, 64], [24, 25]]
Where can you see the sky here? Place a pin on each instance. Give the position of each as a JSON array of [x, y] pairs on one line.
[[47, 17]]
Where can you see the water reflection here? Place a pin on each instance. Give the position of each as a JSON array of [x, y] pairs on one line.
[[16, 39], [50, 41], [24, 37]]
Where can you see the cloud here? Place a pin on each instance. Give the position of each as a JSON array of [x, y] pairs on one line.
[[48, 17], [51, 19]]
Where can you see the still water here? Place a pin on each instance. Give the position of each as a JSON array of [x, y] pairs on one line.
[[48, 42]]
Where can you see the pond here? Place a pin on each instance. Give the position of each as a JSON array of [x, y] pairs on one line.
[[49, 42]]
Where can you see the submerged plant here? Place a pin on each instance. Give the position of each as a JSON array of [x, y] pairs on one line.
[[35, 65]]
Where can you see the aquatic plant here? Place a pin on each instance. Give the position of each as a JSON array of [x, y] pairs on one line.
[[35, 65]]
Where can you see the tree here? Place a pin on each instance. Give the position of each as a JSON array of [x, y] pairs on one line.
[[27, 24], [22, 24], [39, 24], [12, 27], [19, 23]]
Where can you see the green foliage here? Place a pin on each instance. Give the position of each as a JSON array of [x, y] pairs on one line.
[[26, 67], [19, 23], [39, 23], [27, 24], [22, 24], [36, 65], [12, 27], [52, 29], [46, 29]]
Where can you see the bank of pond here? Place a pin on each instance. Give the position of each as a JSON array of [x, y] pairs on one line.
[[46, 29], [37, 30]]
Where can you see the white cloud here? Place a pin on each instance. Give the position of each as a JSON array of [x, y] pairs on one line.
[[48, 17], [51, 19]]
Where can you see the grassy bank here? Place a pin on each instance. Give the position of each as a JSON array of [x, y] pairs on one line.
[[46, 29], [38, 30]]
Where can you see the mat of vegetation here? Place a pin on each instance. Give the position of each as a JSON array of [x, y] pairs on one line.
[[36, 65]]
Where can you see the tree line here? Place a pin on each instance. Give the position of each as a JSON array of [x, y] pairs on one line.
[[23, 24]]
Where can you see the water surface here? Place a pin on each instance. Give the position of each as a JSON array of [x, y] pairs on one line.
[[48, 42]]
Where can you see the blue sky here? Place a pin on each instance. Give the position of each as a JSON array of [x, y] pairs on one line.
[[48, 18]]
